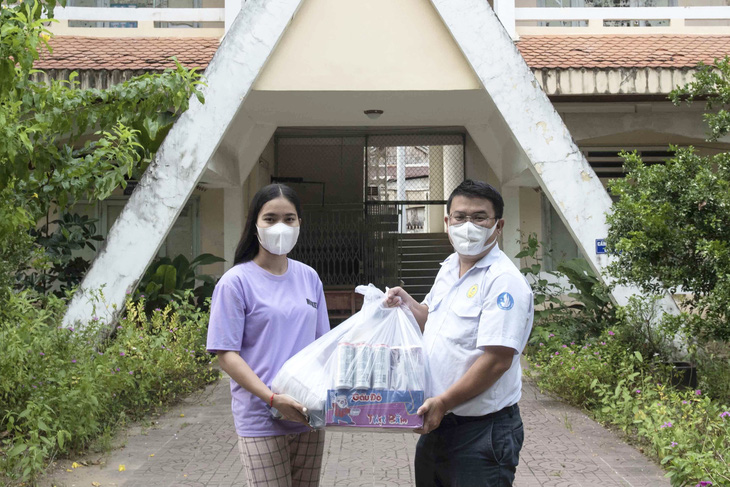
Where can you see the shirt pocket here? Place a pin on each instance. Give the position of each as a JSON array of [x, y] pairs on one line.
[[463, 325]]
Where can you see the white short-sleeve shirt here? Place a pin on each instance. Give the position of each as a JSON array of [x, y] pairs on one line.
[[490, 305]]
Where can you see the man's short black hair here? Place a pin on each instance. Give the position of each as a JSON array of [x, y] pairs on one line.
[[478, 189]]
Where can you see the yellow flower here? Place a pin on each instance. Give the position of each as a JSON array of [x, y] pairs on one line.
[[152, 454], [45, 36], [75, 465], [122, 468]]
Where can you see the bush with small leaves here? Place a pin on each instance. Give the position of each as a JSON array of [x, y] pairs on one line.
[[59, 391], [688, 431]]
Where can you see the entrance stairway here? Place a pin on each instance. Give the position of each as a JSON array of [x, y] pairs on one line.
[[420, 256]]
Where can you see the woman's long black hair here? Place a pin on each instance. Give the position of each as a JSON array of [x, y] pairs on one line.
[[248, 247]]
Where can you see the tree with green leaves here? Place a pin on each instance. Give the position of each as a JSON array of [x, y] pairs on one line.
[[60, 143], [670, 228]]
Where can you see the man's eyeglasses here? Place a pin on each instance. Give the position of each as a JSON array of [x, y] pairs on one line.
[[476, 219]]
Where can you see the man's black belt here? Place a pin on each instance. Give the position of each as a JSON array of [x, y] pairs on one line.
[[452, 419]]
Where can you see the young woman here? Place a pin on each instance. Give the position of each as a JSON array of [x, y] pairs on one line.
[[265, 309]]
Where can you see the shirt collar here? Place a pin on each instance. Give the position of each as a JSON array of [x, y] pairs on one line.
[[486, 261], [490, 258]]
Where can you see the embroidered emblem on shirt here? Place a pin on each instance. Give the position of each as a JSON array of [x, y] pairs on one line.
[[505, 301], [312, 304], [472, 291]]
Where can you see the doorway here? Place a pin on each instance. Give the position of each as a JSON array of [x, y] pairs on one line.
[[373, 204]]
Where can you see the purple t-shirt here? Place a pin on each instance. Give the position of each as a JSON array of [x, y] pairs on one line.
[[267, 319]]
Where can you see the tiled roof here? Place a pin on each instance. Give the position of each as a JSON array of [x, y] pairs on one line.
[[558, 52], [111, 53], [622, 51]]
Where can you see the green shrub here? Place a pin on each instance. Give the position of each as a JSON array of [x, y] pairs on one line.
[[670, 228], [61, 143], [582, 310], [713, 369], [58, 392], [60, 268], [571, 369], [168, 280], [686, 430], [644, 328], [668, 338]]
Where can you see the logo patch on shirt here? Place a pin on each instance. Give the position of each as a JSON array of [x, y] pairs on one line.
[[472, 291], [505, 301], [312, 304]]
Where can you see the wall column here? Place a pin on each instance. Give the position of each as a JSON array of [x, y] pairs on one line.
[[435, 188], [234, 218], [232, 7], [505, 10], [511, 236], [400, 184]]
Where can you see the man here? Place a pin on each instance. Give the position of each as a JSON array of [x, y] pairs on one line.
[[475, 321]]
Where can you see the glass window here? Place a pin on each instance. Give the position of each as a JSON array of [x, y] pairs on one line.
[[559, 243], [143, 4], [606, 3], [184, 236]]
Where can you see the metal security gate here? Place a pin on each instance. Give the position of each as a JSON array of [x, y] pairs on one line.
[[327, 174], [380, 249], [408, 180], [366, 198]]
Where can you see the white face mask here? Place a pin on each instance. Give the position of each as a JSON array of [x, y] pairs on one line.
[[278, 239], [468, 239]]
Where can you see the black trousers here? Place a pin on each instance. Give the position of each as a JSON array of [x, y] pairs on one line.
[[469, 451]]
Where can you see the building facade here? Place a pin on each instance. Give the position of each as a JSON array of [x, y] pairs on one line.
[[374, 184]]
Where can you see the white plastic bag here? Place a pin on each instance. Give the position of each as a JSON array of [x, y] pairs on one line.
[[370, 371]]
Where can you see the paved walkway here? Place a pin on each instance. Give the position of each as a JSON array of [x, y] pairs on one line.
[[195, 445]]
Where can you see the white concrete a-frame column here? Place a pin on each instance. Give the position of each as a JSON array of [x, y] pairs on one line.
[[524, 124], [167, 184], [546, 146]]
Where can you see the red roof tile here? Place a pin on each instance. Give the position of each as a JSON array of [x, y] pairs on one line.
[[558, 52], [111, 53], [622, 51]]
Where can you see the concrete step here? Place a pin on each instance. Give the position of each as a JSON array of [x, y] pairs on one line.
[[423, 242], [427, 236], [427, 248], [420, 257], [426, 281], [407, 267], [427, 261], [417, 292], [428, 274]]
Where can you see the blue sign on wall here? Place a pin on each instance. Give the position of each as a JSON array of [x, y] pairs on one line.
[[600, 246]]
